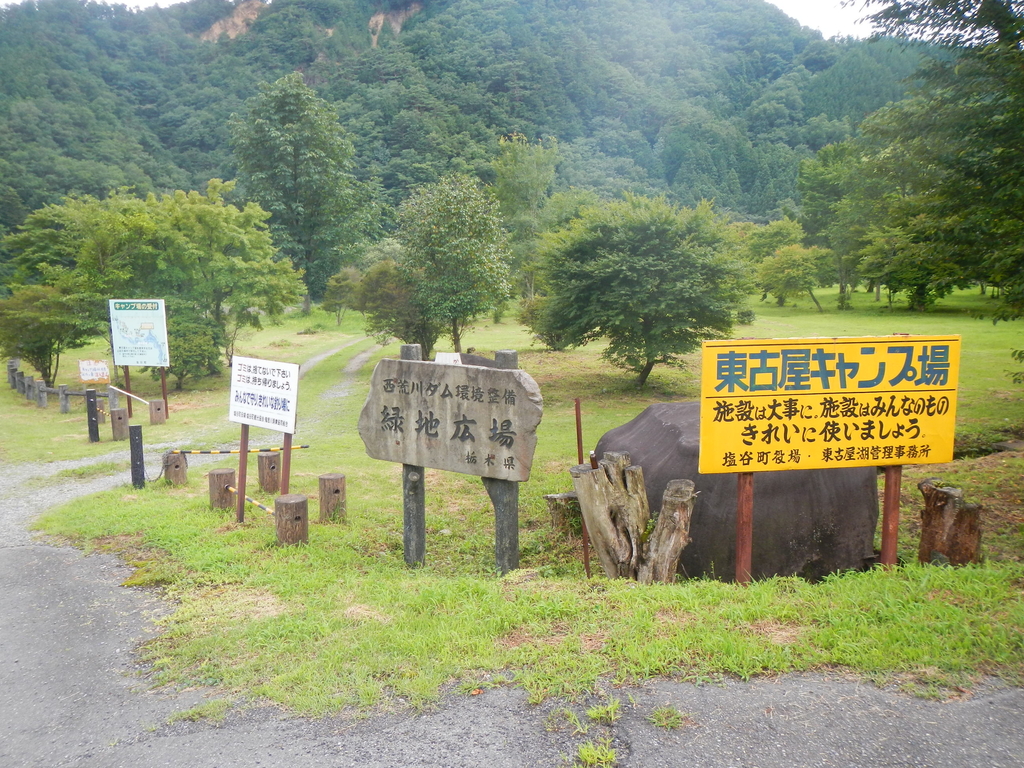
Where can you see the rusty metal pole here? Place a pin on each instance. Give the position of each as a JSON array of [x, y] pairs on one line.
[[891, 514], [583, 523], [128, 388], [286, 463], [744, 525], [243, 461], [163, 391]]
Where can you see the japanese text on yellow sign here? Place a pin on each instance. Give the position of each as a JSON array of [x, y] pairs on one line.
[[777, 404]]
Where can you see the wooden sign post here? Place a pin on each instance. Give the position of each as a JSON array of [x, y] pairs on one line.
[[472, 419]]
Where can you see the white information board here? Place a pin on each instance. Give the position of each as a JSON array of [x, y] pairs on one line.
[[138, 329], [264, 393]]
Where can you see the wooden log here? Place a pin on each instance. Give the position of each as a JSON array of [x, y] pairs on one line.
[[333, 505], [220, 481], [614, 506], [113, 399], [157, 411], [564, 509], [65, 398], [42, 396], [268, 470], [119, 423], [671, 534], [950, 527], [19, 379], [291, 515], [30, 388], [176, 468]]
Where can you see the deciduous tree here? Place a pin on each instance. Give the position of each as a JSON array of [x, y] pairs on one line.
[[653, 279]]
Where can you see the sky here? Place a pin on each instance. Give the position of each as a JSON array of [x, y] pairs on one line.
[[828, 16]]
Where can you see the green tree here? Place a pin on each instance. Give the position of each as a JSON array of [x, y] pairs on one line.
[[653, 279], [763, 242], [295, 160], [340, 291], [455, 253], [388, 300], [38, 323], [195, 342], [792, 270], [219, 258]]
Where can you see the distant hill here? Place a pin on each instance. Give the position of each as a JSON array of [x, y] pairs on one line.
[[694, 98]]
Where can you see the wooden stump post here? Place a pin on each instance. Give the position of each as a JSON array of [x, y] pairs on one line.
[[157, 411], [220, 481], [563, 508], [950, 527], [20, 382], [268, 469], [42, 396], [119, 423], [291, 514], [30, 388], [333, 505], [65, 398], [176, 468], [613, 501]]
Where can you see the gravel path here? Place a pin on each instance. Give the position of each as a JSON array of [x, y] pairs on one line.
[[72, 692]]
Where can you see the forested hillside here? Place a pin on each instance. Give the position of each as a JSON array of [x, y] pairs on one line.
[[716, 99]]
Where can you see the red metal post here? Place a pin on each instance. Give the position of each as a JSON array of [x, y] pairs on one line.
[[286, 463], [744, 525], [579, 456], [163, 392], [891, 514], [128, 388], [243, 462]]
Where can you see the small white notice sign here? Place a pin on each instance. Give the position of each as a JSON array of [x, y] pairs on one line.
[[93, 372], [264, 393]]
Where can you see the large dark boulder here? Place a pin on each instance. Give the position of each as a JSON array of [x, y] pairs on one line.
[[806, 522]]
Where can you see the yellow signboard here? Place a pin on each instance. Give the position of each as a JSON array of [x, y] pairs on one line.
[[777, 404]]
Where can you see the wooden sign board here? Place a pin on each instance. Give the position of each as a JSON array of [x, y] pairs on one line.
[[461, 418], [778, 404], [138, 331], [93, 372], [264, 393]]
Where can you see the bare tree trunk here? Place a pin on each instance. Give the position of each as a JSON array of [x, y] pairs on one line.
[[613, 501]]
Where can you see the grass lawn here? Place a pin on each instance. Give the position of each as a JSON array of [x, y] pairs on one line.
[[342, 623]]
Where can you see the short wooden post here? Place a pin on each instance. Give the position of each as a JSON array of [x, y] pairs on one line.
[[414, 504], [19, 382], [12, 373], [157, 412], [113, 399], [950, 527], [220, 481], [30, 388], [564, 508], [268, 468], [101, 415], [119, 423], [138, 458], [92, 415], [292, 518], [176, 468], [65, 398], [333, 505], [41, 395]]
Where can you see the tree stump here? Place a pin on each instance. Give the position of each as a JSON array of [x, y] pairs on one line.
[[176, 468], [950, 527], [268, 467], [564, 509], [613, 502], [220, 481], [119, 423], [333, 505], [291, 515]]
